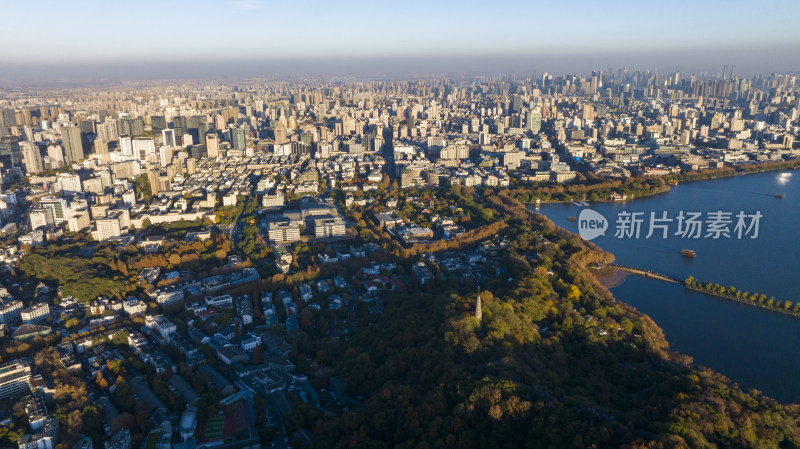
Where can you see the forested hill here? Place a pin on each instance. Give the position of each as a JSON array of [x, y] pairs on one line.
[[555, 362]]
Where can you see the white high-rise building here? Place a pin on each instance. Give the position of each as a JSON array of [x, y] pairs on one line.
[[71, 140], [40, 217], [165, 156], [107, 228], [168, 136], [56, 155], [107, 131], [212, 145], [143, 147], [59, 208], [31, 157], [126, 146]]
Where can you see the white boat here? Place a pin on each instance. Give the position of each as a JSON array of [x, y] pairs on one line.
[[577, 203]]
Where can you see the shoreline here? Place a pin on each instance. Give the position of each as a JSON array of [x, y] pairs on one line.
[[749, 303], [792, 164]]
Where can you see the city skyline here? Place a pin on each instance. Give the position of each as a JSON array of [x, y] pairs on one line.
[[360, 255]]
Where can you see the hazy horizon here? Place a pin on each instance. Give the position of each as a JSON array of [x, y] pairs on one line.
[[92, 41], [759, 61]]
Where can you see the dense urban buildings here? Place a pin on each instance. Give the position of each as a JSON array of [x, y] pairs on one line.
[[195, 264]]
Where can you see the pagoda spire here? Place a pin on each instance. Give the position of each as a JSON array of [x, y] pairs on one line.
[[478, 309]]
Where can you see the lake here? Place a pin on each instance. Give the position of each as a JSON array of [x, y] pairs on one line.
[[754, 347]]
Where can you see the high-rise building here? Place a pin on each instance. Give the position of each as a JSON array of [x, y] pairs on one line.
[[55, 156], [191, 165], [101, 149], [10, 153], [212, 145], [71, 140], [280, 135], [107, 130], [143, 147], [179, 125], [165, 156], [133, 127], [516, 104], [587, 113], [107, 228], [238, 138], [158, 123], [202, 130], [9, 118], [40, 217], [58, 206], [168, 136], [152, 177], [535, 121], [31, 157], [126, 145]]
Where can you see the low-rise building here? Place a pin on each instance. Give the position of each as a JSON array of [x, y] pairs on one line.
[[36, 313], [134, 306], [14, 379], [11, 312], [329, 227], [283, 231], [160, 325], [219, 301], [33, 238]]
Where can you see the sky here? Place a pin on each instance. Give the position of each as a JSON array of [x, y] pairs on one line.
[[172, 38]]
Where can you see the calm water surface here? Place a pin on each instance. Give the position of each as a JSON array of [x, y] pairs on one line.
[[756, 348]]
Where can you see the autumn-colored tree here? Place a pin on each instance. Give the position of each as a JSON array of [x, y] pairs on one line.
[[123, 421], [258, 356]]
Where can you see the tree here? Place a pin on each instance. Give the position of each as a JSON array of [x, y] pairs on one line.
[[258, 356], [626, 325], [72, 323], [123, 421], [120, 338], [141, 185], [573, 293], [306, 318]]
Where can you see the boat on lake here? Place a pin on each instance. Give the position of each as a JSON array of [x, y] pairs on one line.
[[688, 253]]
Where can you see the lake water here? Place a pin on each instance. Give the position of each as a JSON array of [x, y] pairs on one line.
[[754, 347]]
